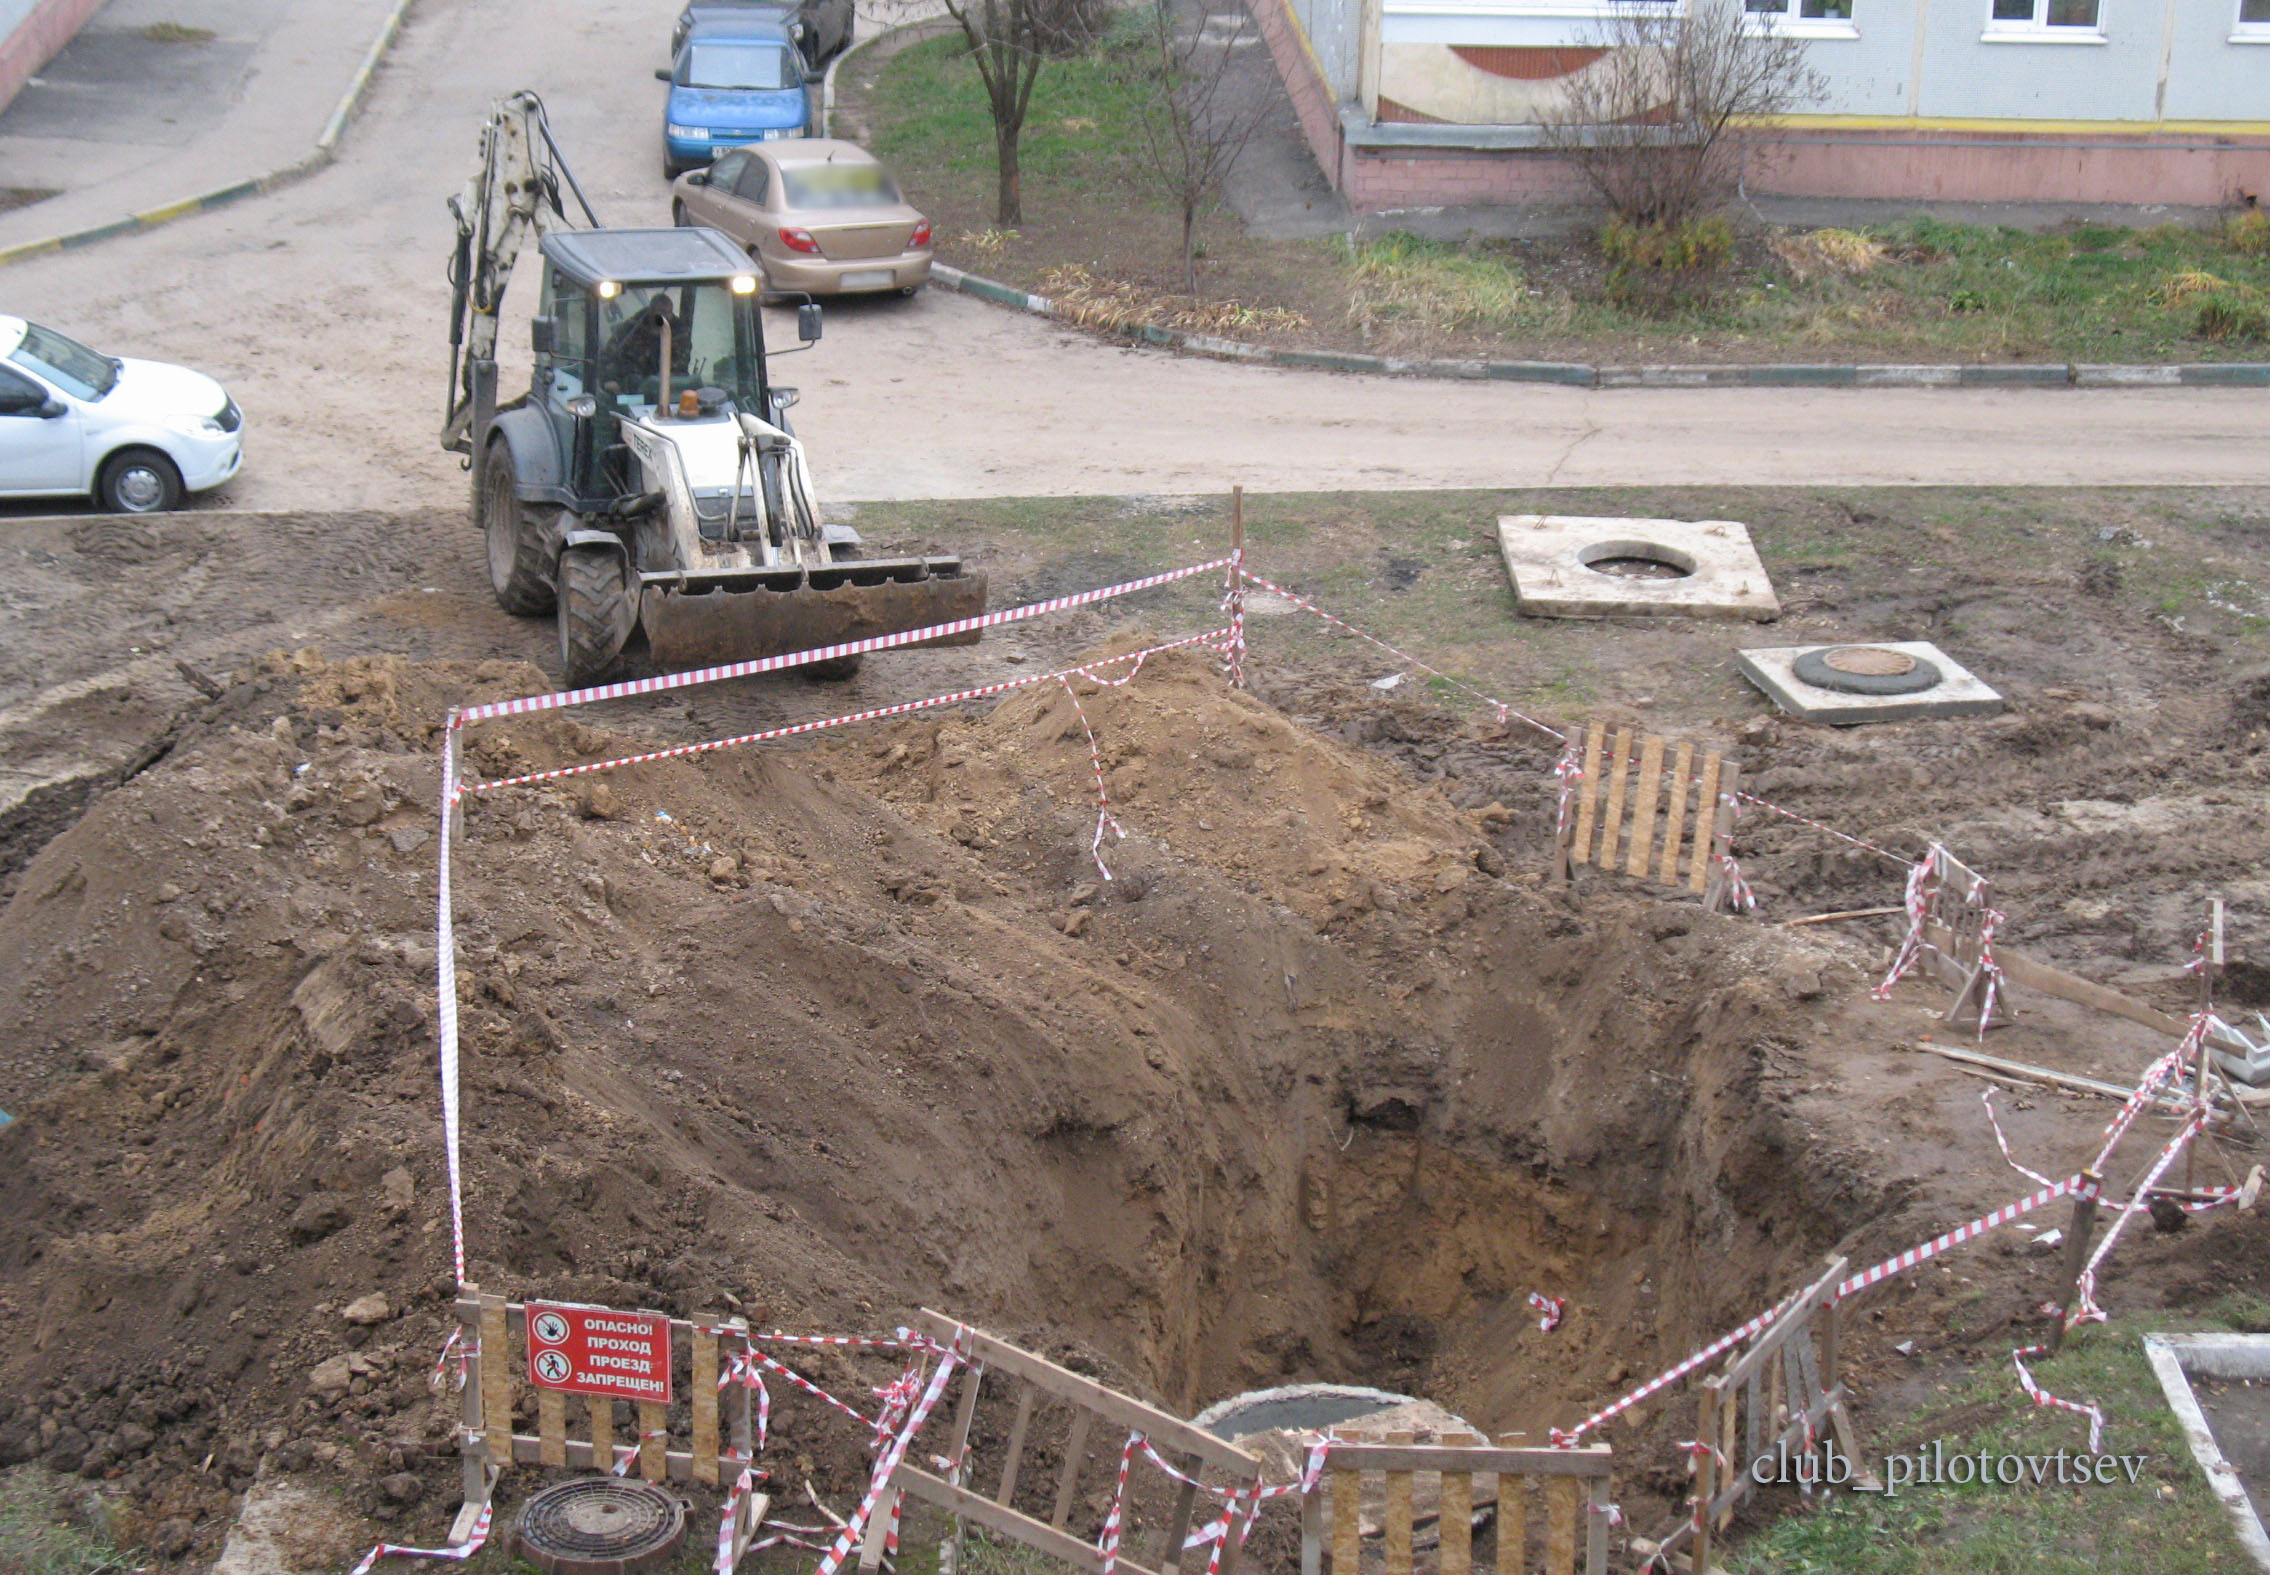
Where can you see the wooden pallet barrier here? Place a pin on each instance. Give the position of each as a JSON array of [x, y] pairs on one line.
[[1650, 809], [1784, 1393], [499, 1359], [1469, 1474], [1036, 1384]]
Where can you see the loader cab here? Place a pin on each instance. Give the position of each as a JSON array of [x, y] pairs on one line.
[[609, 303]]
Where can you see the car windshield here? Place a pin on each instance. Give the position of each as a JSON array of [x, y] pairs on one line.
[[714, 343], [81, 372], [838, 186], [759, 67]]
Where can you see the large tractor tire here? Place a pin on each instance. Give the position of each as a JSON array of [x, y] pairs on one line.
[[596, 613], [520, 569]]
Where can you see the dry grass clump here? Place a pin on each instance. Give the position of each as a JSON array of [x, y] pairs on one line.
[[1115, 306], [1406, 282], [2195, 284], [1827, 251]]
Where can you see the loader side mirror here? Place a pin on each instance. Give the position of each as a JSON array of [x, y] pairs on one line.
[[808, 322], [540, 335]]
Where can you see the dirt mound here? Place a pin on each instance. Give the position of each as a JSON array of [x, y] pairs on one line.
[[1310, 1089]]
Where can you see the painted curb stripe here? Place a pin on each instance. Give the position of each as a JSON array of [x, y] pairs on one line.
[[326, 146]]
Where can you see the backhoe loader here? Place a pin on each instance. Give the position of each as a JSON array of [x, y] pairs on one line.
[[648, 485]]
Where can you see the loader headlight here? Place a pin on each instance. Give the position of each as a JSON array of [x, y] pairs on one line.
[[609, 289], [743, 284]]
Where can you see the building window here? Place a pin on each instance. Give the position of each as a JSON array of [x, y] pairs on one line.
[[2253, 22], [2044, 21], [1803, 18]]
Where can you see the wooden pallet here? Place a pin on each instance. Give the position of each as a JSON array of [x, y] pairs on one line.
[[1572, 1482], [1650, 808]]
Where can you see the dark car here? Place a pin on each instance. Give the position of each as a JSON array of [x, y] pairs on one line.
[[821, 28]]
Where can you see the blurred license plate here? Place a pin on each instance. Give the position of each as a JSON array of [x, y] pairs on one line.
[[868, 279]]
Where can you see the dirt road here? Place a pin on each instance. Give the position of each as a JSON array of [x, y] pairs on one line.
[[323, 307]]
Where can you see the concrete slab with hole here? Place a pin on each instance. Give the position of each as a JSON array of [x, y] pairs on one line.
[[1880, 681], [1587, 566]]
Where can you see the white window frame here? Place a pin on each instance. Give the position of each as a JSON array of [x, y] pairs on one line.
[[2245, 32], [2039, 30], [1788, 24]]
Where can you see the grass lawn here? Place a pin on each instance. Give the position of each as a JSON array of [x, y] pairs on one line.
[[1100, 235], [52, 1525], [2167, 1522]]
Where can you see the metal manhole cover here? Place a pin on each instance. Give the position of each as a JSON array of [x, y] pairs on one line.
[[1869, 661], [599, 1526], [1866, 670]]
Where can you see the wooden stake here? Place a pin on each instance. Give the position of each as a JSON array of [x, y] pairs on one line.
[[2077, 1231], [1237, 583], [1706, 809], [472, 1445], [1455, 1522], [1561, 1497], [496, 1381], [1347, 1523], [703, 1402], [1675, 814], [1645, 793], [1587, 793], [1612, 817]]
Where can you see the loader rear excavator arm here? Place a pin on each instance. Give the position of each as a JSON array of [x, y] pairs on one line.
[[515, 194]]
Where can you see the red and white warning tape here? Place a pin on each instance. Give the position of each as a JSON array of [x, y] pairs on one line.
[[711, 746], [2003, 1143], [1900, 1263], [1503, 711], [1842, 836], [1552, 1307], [825, 653], [887, 1458], [2041, 1396], [1917, 903], [457, 1552], [2085, 1308]]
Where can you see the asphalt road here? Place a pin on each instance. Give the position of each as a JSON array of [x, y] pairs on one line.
[[323, 306]]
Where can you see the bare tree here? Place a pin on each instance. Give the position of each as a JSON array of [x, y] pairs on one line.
[[1010, 40], [1659, 125], [1195, 113]]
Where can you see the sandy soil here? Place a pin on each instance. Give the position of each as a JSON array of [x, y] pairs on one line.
[[1321, 1086]]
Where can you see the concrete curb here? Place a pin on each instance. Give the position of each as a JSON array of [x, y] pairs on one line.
[[325, 150], [1574, 374]]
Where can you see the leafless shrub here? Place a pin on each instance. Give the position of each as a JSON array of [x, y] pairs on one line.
[[1660, 124], [1195, 116]]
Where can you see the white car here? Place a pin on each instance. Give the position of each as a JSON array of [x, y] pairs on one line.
[[136, 436]]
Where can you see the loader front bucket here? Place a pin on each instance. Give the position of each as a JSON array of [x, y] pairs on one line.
[[708, 621]]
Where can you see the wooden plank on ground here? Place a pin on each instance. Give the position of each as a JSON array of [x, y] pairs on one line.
[[653, 1440], [1612, 818], [1171, 1433], [1017, 1429], [1347, 1522], [551, 1427], [1009, 1523], [1587, 795], [1706, 822], [602, 1430], [496, 1371], [1645, 793], [1395, 1516], [703, 1403], [1675, 812], [1562, 1498], [1592, 1460]]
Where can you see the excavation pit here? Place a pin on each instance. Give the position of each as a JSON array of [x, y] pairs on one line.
[[1580, 566]]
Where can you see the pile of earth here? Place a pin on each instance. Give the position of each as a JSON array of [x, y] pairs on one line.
[[1318, 1085]]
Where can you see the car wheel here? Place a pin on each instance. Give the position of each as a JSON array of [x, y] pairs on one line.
[[679, 216], [138, 481], [671, 168], [910, 290]]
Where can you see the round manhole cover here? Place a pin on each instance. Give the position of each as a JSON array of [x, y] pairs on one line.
[[1866, 670], [1869, 661], [599, 1526]]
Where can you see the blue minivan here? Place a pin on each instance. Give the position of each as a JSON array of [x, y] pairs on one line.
[[736, 81]]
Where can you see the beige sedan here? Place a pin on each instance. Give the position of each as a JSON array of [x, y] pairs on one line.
[[820, 216]]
